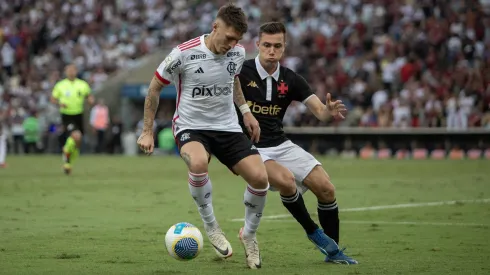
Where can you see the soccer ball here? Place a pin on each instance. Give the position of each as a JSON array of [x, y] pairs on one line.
[[183, 241]]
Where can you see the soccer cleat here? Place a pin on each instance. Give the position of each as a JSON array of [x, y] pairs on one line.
[[340, 258], [323, 242], [67, 168], [252, 252], [330, 248], [219, 242]]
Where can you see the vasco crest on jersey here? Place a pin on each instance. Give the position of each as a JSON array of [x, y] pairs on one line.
[[282, 89]]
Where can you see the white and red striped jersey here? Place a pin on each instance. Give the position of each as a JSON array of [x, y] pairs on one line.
[[204, 83]]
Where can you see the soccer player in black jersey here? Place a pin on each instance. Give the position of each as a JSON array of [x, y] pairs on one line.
[[269, 89]]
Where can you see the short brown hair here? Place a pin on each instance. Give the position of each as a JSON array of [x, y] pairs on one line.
[[272, 28], [233, 16]]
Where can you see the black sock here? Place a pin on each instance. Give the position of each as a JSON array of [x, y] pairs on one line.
[[296, 206], [328, 214]]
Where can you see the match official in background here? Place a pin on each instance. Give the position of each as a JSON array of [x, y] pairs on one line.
[[70, 94]]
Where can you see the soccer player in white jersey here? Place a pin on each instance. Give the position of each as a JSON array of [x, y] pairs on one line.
[[269, 88], [204, 71]]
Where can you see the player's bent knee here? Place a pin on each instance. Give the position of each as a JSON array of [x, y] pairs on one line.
[[326, 192], [253, 171], [320, 184], [283, 181], [258, 179], [287, 184], [281, 178], [196, 163], [195, 157], [198, 166]]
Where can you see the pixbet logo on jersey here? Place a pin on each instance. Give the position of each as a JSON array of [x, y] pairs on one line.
[[210, 91]]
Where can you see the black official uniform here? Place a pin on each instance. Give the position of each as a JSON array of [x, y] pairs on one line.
[[269, 98]]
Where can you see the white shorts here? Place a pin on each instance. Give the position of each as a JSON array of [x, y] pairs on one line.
[[294, 158]]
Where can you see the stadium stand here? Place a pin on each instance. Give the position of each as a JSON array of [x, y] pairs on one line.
[[402, 64], [395, 63]]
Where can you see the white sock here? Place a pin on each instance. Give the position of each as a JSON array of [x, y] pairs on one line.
[[201, 190], [254, 200], [3, 148]]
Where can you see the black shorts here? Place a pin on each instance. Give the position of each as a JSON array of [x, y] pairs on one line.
[[228, 147], [75, 120]]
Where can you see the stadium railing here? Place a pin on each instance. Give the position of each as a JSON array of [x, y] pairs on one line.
[[308, 130], [392, 140]]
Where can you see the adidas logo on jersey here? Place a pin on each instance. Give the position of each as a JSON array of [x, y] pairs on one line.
[[199, 71], [252, 84]]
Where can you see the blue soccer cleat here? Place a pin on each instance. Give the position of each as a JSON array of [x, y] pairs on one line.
[[323, 242], [340, 258], [330, 248]]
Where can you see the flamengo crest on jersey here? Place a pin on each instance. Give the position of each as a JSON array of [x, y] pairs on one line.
[[204, 83]]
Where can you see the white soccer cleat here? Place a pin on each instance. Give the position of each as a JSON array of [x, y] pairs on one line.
[[219, 242], [252, 252]]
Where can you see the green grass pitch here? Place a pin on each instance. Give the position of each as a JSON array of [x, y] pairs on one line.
[[111, 215]]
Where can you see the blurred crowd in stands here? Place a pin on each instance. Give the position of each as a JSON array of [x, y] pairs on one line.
[[414, 63], [395, 63], [39, 37]]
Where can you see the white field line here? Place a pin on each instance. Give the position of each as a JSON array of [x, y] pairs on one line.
[[381, 207], [401, 223]]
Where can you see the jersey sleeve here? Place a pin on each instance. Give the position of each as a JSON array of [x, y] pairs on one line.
[[170, 67], [302, 90], [87, 90], [240, 60], [56, 91]]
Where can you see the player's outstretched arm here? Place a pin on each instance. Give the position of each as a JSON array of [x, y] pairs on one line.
[[146, 141], [325, 112], [249, 120]]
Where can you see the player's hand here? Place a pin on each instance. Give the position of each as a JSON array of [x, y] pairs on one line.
[[146, 143], [252, 126], [336, 108]]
